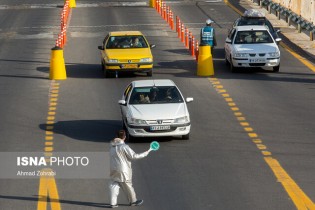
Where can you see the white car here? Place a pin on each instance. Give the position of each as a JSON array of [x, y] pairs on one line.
[[252, 46], [152, 108]]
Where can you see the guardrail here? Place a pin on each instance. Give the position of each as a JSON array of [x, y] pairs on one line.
[[290, 16]]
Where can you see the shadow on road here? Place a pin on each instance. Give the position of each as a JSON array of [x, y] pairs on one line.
[[49, 200], [87, 130]]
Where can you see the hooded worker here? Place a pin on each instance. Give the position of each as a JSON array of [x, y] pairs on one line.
[[121, 156]]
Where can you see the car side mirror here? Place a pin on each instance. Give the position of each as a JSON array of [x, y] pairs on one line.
[[278, 31], [152, 46], [122, 102], [278, 40], [189, 100], [100, 47], [228, 41]]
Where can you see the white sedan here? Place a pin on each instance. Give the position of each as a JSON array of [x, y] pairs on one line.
[[152, 108], [252, 46]]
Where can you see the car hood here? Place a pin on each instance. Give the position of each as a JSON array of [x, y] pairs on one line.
[[158, 111], [128, 53], [256, 48]]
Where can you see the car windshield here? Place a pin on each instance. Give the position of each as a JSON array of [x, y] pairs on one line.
[[155, 95], [252, 37], [119, 42]]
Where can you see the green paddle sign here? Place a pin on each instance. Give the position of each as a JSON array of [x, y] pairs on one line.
[[154, 146]]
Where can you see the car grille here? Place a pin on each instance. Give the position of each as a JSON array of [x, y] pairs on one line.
[[160, 122], [252, 54], [262, 54], [160, 131], [257, 64], [129, 60]]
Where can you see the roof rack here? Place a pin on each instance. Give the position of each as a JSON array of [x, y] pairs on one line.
[[253, 13]]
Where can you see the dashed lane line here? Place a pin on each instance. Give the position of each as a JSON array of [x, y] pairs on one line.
[[48, 191]]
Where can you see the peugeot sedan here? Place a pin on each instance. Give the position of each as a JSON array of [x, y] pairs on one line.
[[152, 108]]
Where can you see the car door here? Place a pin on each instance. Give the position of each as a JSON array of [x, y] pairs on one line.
[[228, 44], [126, 96]]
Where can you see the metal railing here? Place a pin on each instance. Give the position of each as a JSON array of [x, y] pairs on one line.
[[290, 16]]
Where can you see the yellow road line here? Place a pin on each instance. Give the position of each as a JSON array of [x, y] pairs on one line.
[[47, 185], [297, 56], [48, 189], [299, 198]]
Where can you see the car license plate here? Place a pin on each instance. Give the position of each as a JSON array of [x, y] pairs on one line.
[[258, 60], [129, 66], [160, 127]]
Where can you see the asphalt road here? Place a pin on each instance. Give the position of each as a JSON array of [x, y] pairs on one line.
[[220, 167]]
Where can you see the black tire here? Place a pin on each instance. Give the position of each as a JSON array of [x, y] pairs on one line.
[[185, 137], [276, 68], [103, 67], [107, 74], [129, 137], [149, 73], [226, 61], [124, 126], [232, 68]]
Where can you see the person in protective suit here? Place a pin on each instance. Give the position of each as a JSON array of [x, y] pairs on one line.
[[207, 35], [120, 170]]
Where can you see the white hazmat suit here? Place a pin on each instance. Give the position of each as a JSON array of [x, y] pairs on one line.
[[120, 170]]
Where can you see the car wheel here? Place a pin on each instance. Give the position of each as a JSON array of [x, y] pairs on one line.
[[226, 61], [106, 73], [276, 68], [185, 137], [129, 137], [149, 73], [232, 67], [124, 126]]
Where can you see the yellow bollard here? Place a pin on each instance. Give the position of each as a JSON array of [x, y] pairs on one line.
[[152, 3], [205, 62], [57, 65], [72, 4]]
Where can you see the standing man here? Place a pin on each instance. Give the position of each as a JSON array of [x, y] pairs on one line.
[[207, 35], [120, 170]]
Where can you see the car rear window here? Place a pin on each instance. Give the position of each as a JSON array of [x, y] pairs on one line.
[[155, 95], [252, 37], [118, 42]]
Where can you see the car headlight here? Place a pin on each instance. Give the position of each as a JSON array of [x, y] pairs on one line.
[[146, 60], [112, 61], [136, 121], [241, 55], [181, 120], [274, 54]]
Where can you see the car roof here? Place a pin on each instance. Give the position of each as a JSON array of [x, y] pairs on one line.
[[150, 83], [124, 33], [251, 27]]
